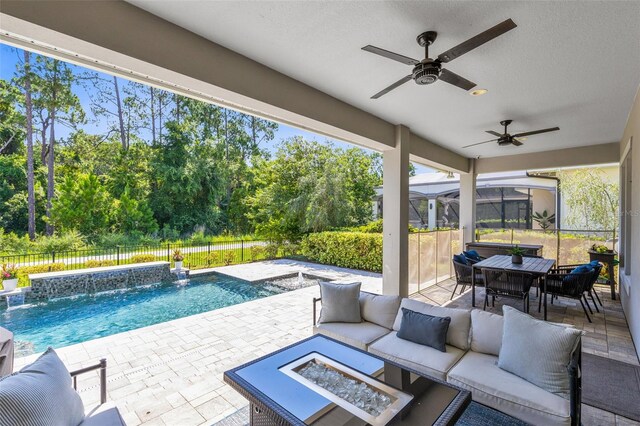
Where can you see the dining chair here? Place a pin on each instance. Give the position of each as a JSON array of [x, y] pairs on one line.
[[463, 277], [511, 284], [562, 282]]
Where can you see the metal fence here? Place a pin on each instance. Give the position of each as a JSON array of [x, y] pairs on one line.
[[195, 255]]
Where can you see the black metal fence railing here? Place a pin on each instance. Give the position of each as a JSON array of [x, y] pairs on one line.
[[195, 255]]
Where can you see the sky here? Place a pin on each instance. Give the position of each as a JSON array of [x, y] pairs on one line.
[[10, 57]]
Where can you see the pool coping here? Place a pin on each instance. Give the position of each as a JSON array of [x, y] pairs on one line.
[[95, 270]]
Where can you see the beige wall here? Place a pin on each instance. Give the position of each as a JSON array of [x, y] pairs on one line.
[[630, 284], [543, 200]]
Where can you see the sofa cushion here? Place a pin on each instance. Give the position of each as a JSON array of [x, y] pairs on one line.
[[536, 350], [340, 302], [424, 359], [40, 394], [359, 334], [104, 415], [458, 334], [424, 329], [379, 309], [486, 332], [506, 392]]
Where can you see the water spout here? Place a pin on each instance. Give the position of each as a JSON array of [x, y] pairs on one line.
[[182, 278], [15, 300], [300, 279]]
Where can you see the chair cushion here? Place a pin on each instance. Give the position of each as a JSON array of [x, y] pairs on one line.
[[340, 302], [40, 394], [104, 415], [460, 258], [359, 334], [486, 332], [537, 351], [424, 359], [424, 329], [499, 389], [473, 255], [458, 334], [379, 309]]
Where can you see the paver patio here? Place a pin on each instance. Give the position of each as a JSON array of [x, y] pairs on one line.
[[171, 373]]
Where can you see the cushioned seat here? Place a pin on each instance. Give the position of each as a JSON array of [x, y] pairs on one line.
[[507, 392], [358, 334], [423, 359], [103, 415]]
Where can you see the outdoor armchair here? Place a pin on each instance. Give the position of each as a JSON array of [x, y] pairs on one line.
[[562, 282], [463, 277], [501, 283]]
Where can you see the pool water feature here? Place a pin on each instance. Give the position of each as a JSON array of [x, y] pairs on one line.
[[66, 321]]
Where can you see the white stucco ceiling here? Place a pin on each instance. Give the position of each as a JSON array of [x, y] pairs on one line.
[[575, 65]]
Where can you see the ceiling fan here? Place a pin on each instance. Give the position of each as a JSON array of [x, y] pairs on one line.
[[508, 139], [429, 70]]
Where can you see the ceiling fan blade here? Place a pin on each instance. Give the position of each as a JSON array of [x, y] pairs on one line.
[[390, 55], [456, 80], [516, 142], [535, 132], [477, 41], [479, 143], [491, 132], [400, 82]]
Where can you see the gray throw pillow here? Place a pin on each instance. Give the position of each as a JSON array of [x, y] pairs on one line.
[[40, 394], [424, 329], [340, 302], [537, 351]]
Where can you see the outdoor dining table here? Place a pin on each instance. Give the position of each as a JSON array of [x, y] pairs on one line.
[[537, 266]]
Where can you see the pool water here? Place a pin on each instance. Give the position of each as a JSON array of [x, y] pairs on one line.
[[63, 322]]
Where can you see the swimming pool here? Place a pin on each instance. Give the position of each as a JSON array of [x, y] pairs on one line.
[[63, 322]]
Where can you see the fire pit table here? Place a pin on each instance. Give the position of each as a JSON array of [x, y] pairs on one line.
[[320, 381]]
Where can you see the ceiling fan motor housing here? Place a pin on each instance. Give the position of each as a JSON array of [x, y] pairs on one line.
[[426, 72]]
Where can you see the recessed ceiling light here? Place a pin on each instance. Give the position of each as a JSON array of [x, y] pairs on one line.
[[478, 92]]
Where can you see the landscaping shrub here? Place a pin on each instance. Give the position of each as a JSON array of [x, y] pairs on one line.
[[24, 271], [271, 251], [99, 263], [229, 257], [357, 250], [256, 252], [143, 258], [69, 241]]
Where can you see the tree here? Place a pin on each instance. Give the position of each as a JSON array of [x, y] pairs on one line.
[[591, 198], [83, 204], [31, 197], [132, 216]]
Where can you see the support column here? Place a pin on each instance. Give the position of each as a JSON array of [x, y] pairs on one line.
[[467, 211], [432, 217], [395, 208]]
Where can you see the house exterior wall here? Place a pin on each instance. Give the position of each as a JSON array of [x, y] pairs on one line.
[[543, 200], [630, 274]]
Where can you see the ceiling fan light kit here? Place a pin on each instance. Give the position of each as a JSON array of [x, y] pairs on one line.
[[429, 70]]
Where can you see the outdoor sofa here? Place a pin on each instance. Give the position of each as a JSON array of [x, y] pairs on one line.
[[44, 392], [473, 345]]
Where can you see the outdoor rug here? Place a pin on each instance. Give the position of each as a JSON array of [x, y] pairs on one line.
[[475, 415], [611, 385]]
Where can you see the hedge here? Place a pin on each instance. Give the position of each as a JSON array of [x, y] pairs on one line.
[[24, 271], [356, 250], [143, 258]]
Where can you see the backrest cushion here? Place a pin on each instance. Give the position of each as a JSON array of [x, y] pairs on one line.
[[582, 269], [424, 329], [472, 254], [340, 302], [486, 332], [40, 394], [537, 351], [379, 309], [460, 258], [458, 334]]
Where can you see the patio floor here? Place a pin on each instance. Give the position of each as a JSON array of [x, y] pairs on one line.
[[171, 373]]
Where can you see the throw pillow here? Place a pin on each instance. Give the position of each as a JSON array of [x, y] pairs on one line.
[[379, 309], [460, 258], [340, 302], [458, 334], [486, 332], [537, 351], [424, 329], [40, 394], [582, 269], [473, 255]]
